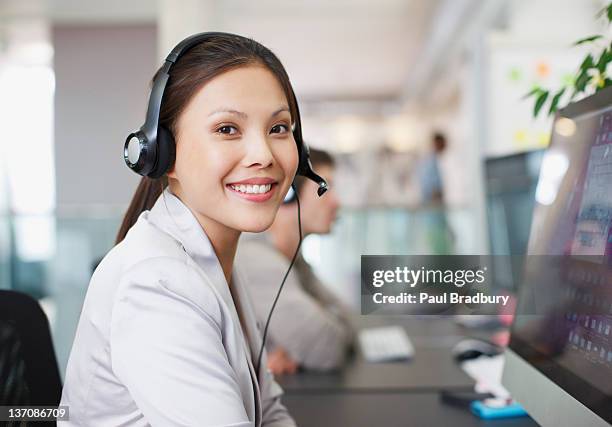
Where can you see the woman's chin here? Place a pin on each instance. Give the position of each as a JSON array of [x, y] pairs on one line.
[[257, 225]]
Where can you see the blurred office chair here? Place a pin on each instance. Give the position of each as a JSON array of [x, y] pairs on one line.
[[29, 374]]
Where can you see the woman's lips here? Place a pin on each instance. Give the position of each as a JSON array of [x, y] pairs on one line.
[[255, 181], [264, 191]]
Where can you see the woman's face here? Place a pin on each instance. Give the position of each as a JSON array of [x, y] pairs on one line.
[[235, 153]]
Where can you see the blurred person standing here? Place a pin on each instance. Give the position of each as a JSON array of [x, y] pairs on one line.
[[430, 180], [439, 236]]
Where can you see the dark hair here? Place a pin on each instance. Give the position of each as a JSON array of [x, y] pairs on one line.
[[439, 142], [317, 158], [199, 65]]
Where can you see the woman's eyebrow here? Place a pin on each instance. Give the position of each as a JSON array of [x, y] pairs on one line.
[[230, 111], [280, 110], [244, 115]]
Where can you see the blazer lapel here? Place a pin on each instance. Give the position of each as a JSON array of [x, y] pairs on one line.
[[252, 337]]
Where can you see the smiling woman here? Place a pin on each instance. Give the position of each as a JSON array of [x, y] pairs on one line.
[[167, 335], [248, 139]]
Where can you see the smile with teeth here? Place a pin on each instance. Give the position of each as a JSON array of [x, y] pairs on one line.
[[252, 189]]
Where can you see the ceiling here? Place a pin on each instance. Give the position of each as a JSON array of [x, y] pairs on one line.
[[343, 50], [340, 50]]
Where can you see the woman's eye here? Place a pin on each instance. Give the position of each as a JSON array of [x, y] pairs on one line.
[[279, 129], [227, 130]]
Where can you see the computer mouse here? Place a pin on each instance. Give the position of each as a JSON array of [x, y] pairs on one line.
[[471, 348]]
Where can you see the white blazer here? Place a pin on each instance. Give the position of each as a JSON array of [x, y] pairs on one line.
[[160, 342]]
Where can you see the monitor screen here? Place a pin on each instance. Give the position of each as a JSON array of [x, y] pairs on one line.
[[564, 317], [510, 191]]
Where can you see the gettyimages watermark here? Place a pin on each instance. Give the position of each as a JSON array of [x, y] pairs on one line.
[[428, 285], [471, 284]]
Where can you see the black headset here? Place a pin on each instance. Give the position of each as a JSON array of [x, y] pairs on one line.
[[150, 151]]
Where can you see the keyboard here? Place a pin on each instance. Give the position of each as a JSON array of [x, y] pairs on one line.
[[385, 344]]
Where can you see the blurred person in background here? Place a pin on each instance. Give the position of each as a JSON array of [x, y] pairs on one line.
[[310, 326], [430, 180], [439, 236]]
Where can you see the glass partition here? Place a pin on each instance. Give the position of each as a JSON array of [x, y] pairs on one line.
[[432, 230], [78, 240]]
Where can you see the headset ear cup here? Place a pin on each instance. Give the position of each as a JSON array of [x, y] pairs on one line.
[[166, 152]]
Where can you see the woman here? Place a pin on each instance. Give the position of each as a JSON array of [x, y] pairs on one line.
[[167, 335]]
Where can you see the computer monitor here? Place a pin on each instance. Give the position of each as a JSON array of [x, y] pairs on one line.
[[510, 183], [559, 360]]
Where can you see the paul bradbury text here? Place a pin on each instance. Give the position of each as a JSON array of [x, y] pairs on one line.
[[446, 298]]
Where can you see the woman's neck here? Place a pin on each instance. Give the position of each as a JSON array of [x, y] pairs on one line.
[[223, 239]]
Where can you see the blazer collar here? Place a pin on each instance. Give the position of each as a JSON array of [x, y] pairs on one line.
[[171, 215]]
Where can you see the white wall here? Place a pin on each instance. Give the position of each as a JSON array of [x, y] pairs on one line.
[[102, 83]]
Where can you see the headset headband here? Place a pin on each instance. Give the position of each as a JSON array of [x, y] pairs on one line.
[[161, 80]]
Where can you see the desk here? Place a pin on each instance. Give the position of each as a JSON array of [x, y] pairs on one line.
[[391, 394], [385, 409], [431, 369]]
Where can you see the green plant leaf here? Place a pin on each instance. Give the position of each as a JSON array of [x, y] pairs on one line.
[[540, 100], [603, 60], [587, 40], [587, 63], [555, 101], [581, 81], [535, 91]]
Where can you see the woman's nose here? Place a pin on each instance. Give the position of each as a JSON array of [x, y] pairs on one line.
[[258, 152]]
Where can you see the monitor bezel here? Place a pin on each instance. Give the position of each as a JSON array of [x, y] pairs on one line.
[[574, 385]]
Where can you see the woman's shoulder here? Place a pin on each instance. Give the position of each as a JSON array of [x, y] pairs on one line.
[[144, 240], [173, 280], [151, 263], [144, 245]]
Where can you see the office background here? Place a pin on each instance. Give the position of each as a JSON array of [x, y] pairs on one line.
[[374, 81]]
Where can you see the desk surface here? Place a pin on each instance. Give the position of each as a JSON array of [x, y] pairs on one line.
[[385, 409], [431, 369], [391, 394]]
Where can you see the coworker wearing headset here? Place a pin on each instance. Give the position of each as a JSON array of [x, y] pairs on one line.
[[167, 335], [311, 326]]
